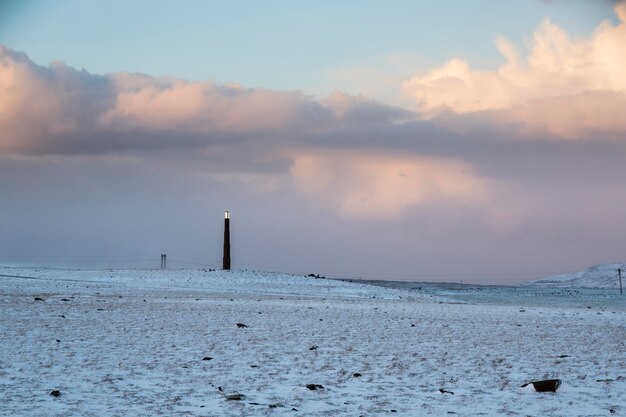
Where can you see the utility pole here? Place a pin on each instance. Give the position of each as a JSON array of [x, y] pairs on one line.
[[619, 273], [226, 260]]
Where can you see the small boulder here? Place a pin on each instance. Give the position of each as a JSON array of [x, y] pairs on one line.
[[207, 358], [547, 385], [357, 375], [39, 299], [314, 387], [55, 393], [313, 347], [445, 391], [241, 325], [235, 397]]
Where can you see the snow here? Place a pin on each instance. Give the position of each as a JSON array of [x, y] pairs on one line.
[[597, 276], [131, 342]]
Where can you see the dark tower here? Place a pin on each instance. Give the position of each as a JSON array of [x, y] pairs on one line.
[[226, 261]]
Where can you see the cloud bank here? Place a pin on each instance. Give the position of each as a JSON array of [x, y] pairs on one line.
[[58, 110]]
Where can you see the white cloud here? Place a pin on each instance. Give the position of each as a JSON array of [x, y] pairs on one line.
[[571, 74]]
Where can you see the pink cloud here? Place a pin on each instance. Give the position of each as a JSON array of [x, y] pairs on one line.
[[60, 109], [362, 185], [202, 107]]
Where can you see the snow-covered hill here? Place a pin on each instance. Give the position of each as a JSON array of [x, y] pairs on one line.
[[597, 276]]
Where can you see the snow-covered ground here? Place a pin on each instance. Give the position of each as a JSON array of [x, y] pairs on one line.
[[132, 343]]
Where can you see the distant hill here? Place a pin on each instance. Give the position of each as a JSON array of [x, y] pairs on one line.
[[597, 276]]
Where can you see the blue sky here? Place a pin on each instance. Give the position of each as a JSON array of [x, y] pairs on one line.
[[278, 44]]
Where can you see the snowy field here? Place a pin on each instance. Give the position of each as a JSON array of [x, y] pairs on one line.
[[166, 343]]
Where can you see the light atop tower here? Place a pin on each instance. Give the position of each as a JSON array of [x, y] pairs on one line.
[[227, 214]]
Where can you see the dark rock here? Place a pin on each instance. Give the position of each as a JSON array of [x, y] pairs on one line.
[[314, 387], [62, 316], [412, 325], [275, 405], [220, 389], [207, 358], [357, 375], [394, 411], [235, 397], [241, 325], [313, 347], [547, 385], [55, 393], [564, 356], [39, 299], [445, 391], [65, 299], [58, 341]]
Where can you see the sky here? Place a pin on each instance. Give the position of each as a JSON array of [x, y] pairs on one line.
[[478, 141]]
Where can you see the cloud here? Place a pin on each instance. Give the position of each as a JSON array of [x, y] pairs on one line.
[[232, 134], [563, 86], [362, 185], [204, 107], [58, 109]]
